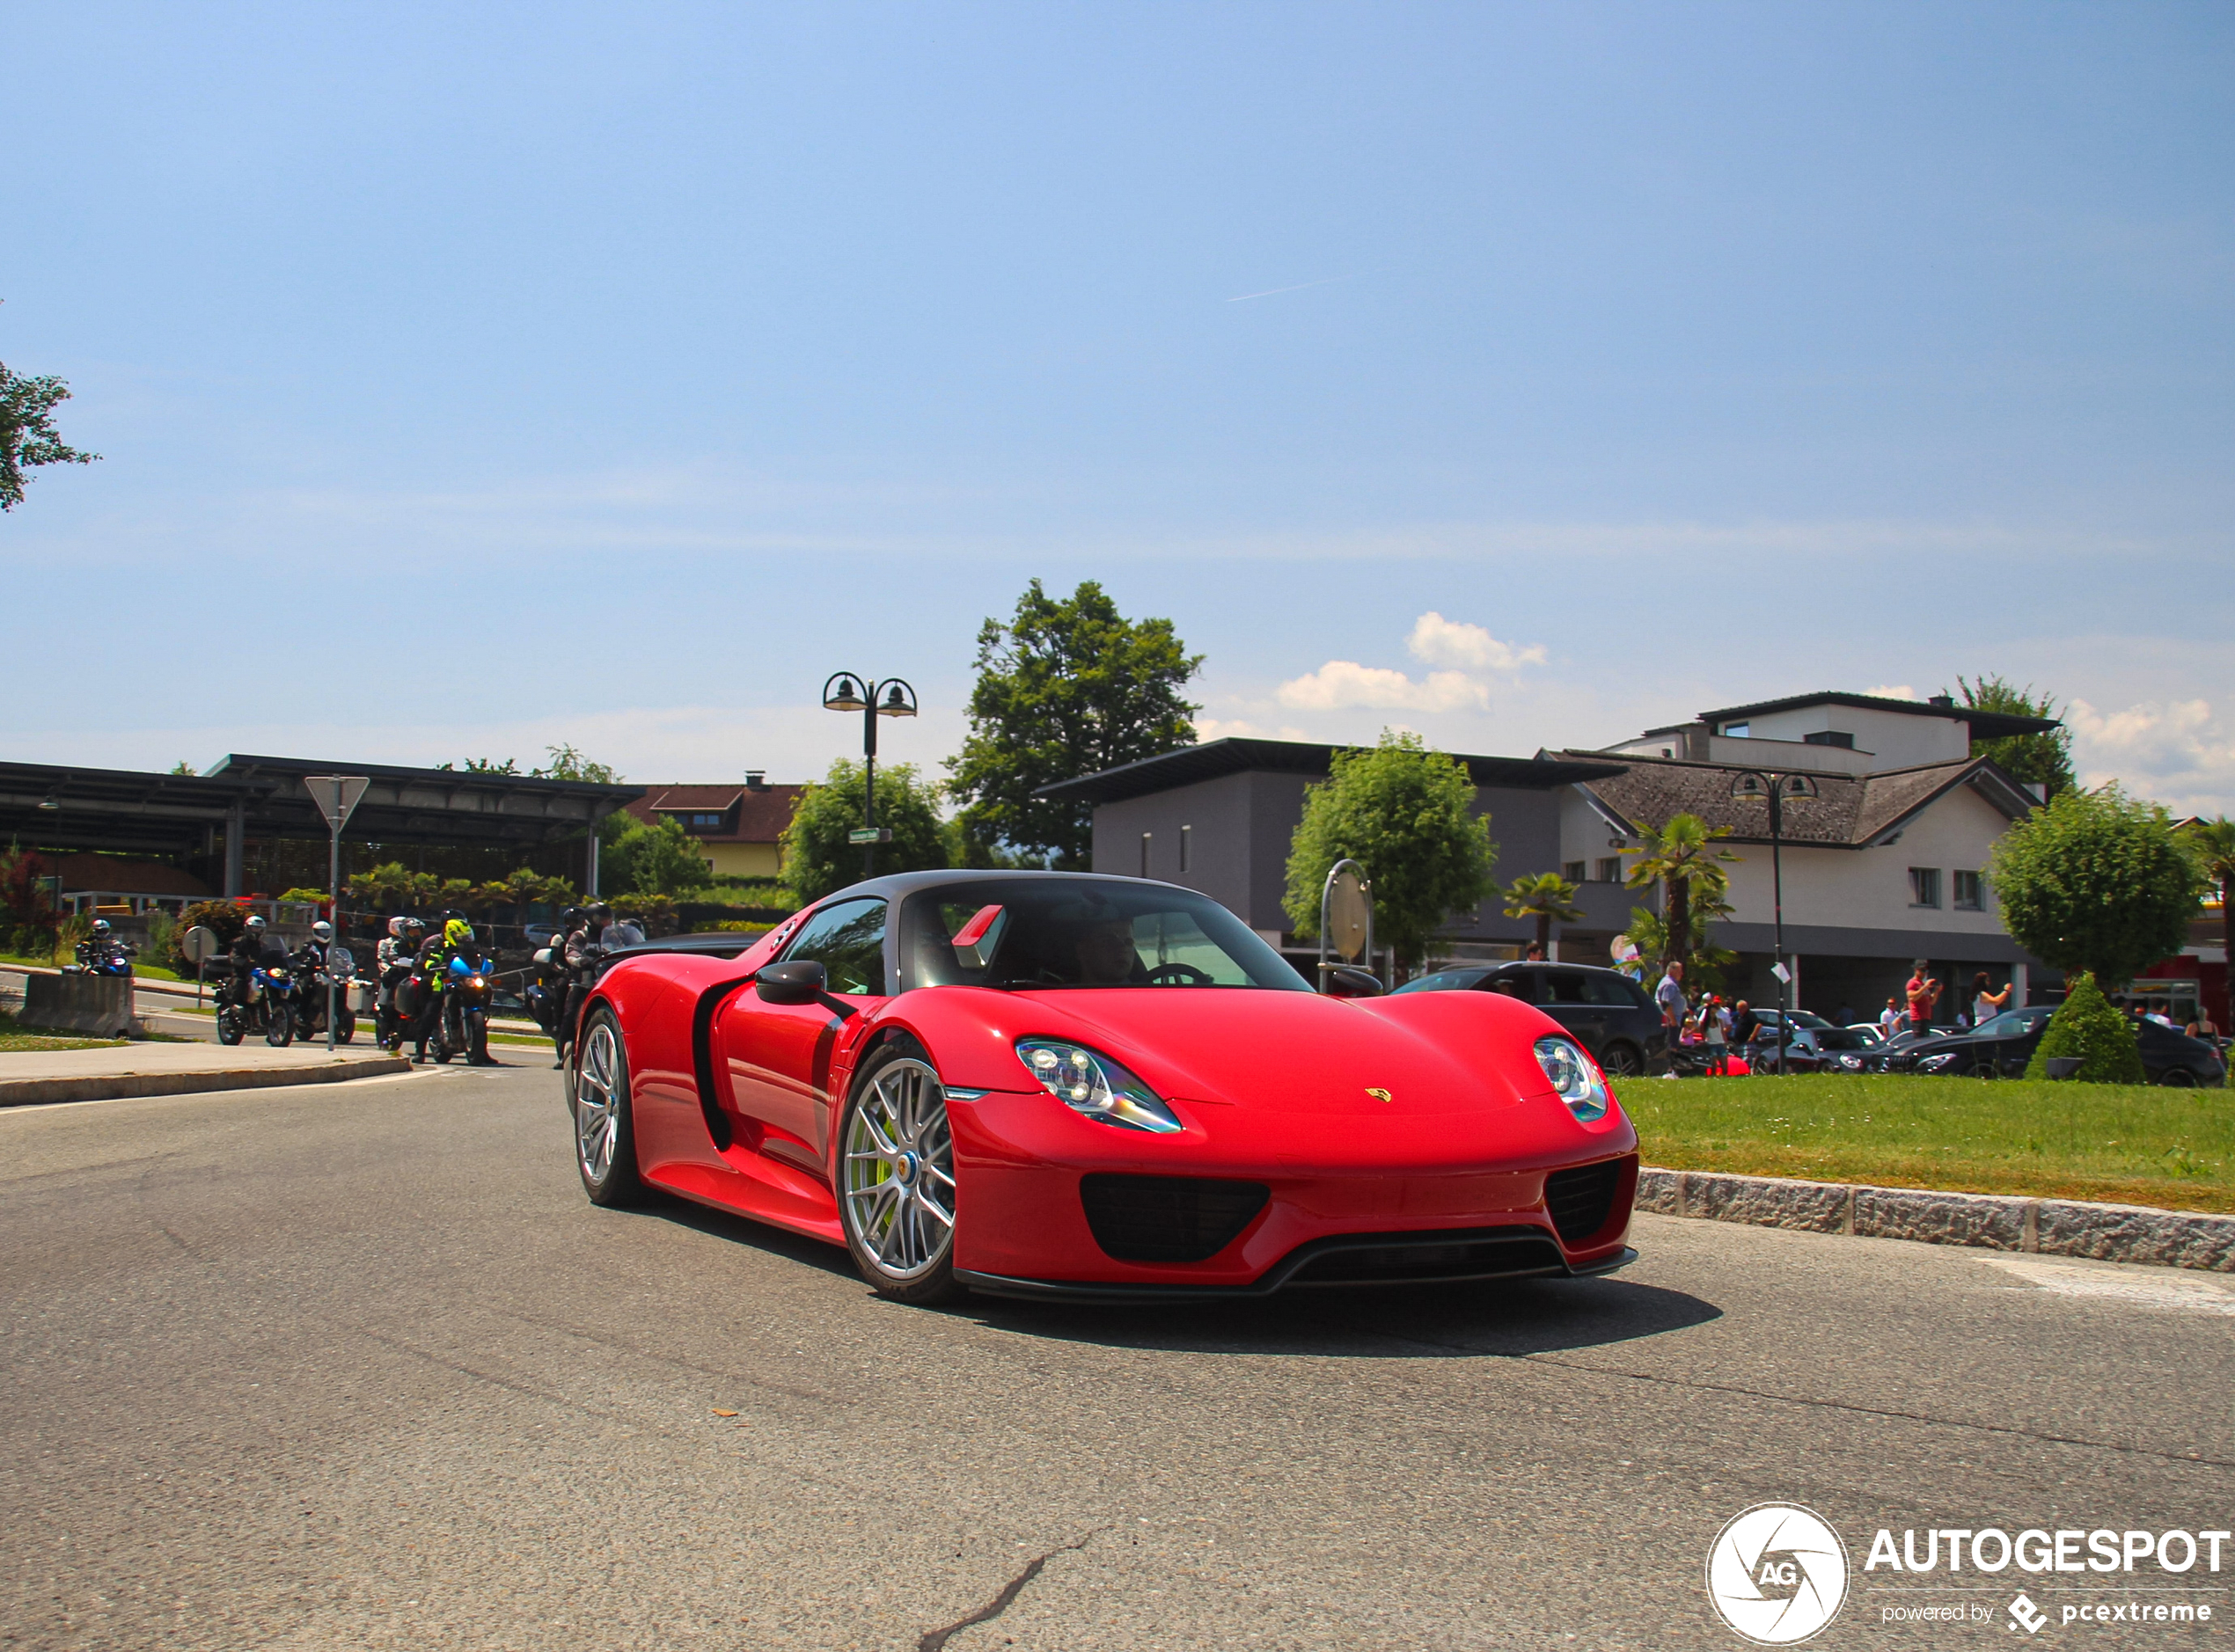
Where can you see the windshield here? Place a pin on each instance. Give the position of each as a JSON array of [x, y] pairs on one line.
[[1052, 932]]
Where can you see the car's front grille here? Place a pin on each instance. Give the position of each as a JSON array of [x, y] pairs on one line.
[[1401, 1257], [1168, 1218]]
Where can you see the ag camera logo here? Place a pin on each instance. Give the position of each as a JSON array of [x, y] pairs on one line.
[[1777, 1573]]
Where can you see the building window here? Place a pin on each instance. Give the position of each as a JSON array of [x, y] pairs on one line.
[[1144, 836], [700, 823], [1610, 869], [1187, 837], [1573, 872], [1967, 892], [1830, 737], [1924, 886], [1736, 731]]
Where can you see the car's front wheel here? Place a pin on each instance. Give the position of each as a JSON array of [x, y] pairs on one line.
[[2178, 1078], [896, 1179], [1622, 1061], [605, 1131]]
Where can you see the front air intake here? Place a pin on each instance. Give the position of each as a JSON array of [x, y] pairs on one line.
[[1168, 1218], [1579, 1201]]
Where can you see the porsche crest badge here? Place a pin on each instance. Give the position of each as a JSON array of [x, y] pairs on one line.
[[1378, 1095]]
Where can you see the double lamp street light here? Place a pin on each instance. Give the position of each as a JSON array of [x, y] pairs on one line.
[[844, 692]]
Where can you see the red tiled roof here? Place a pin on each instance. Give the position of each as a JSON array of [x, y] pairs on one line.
[[762, 815], [115, 875]]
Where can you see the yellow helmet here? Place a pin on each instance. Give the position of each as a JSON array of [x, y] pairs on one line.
[[457, 932]]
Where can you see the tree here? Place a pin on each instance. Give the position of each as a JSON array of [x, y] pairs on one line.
[[1548, 898], [817, 858], [1681, 858], [1066, 688], [652, 859], [2088, 1026], [28, 435], [26, 913], [1706, 967], [221, 919], [1406, 814], [567, 763], [2043, 759], [182, 767], [2212, 841], [2097, 881]]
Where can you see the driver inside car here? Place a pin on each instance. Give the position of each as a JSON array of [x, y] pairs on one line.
[[1106, 954]]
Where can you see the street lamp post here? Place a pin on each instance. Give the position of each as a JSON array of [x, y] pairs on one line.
[[843, 691], [1753, 787]]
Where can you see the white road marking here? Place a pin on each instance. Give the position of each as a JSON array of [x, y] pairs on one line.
[[2072, 1279]]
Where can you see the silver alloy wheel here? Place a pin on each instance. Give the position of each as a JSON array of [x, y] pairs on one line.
[[597, 1104], [899, 1175]]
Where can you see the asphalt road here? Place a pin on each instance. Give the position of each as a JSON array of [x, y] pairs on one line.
[[357, 1366]]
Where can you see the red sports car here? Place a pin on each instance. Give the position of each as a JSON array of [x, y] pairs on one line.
[[1058, 1085]]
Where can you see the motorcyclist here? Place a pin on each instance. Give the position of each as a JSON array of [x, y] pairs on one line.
[[558, 981], [460, 946], [100, 947], [247, 952], [581, 955], [393, 963], [428, 965], [308, 963]]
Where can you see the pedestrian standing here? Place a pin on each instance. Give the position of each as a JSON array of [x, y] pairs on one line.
[[1923, 994], [1719, 1045], [1889, 1019], [1986, 1006]]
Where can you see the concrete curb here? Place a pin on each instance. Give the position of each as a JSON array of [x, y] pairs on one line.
[[20, 1092], [2050, 1227]]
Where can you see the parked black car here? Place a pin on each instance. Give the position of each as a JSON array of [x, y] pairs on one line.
[[2001, 1048], [1898, 1054], [1610, 1015]]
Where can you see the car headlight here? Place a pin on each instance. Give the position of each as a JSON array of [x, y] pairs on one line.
[[1933, 1063], [1093, 1086], [1575, 1076], [1852, 1063]]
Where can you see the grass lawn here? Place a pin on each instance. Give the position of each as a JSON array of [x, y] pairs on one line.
[[14, 1036], [153, 972], [2120, 1144]]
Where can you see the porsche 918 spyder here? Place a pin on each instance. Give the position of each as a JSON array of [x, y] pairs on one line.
[[1063, 1084]]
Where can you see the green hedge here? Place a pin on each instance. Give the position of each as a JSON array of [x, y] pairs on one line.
[[2088, 1026]]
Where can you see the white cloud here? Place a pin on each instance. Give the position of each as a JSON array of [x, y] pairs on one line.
[[2174, 751], [1892, 692], [1450, 642], [1341, 685], [1208, 728]]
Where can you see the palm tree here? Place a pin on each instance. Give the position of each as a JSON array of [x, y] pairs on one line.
[[1548, 898], [1681, 858], [2214, 844]]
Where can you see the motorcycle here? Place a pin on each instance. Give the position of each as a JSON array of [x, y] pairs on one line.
[[394, 1008], [110, 958], [313, 973], [547, 994], [267, 1006], [464, 1027]]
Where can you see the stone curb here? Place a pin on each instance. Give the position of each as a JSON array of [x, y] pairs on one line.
[[112, 1086], [2049, 1227]]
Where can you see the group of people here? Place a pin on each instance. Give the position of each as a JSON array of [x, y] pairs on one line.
[[412, 963]]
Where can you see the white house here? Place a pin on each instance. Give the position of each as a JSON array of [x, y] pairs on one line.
[[1881, 866]]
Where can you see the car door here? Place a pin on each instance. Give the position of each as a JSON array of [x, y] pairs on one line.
[[1563, 996], [779, 1054]]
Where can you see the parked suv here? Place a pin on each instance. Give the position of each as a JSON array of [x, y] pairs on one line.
[[1610, 1015]]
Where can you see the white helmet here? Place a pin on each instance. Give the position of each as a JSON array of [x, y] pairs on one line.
[[321, 930], [100, 927], [256, 924], [396, 926]]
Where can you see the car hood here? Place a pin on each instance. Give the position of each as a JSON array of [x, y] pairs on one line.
[[1306, 1056]]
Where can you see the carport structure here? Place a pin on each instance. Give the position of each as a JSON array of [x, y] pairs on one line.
[[212, 815]]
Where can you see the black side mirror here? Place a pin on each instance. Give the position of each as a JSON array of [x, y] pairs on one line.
[[1343, 981], [800, 980]]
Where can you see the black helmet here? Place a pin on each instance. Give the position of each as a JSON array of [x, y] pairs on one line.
[[571, 917], [598, 913]]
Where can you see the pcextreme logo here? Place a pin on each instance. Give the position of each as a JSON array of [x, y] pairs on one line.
[[1776, 1573]]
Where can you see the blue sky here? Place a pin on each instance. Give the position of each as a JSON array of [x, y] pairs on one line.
[[1523, 375]]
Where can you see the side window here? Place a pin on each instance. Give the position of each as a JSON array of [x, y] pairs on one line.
[[1565, 986], [1514, 983], [848, 940], [1613, 991]]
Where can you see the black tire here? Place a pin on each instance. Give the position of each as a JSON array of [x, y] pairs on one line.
[[1622, 1061], [477, 1036], [598, 1102], [345, 1027], [229, 1030], [279, 1025], [900, 1245], [2178, 1078]]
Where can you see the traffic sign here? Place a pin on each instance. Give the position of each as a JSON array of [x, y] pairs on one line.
[[336, 795]]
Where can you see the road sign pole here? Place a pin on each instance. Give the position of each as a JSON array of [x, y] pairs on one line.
[[333, 911]]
